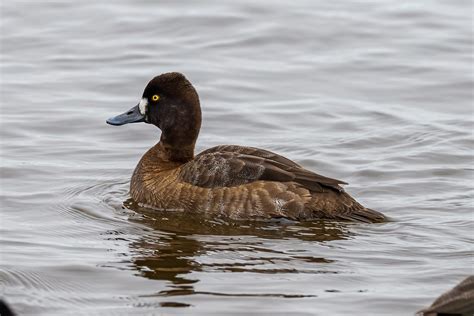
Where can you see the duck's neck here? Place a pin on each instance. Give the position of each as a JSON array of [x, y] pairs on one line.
[[169, 153], [177, 141], [179, 124]]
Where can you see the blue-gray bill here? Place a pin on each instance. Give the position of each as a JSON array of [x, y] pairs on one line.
[[131, 116]]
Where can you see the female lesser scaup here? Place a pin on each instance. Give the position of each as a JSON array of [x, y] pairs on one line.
[[232, 181]]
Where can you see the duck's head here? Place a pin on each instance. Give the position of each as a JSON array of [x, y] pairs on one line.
[[171, 103]]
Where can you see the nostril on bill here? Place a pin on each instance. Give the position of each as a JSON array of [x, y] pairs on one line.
[[129, 112]]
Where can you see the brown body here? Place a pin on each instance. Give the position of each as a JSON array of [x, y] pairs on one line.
[[226, 181], [165, 185]]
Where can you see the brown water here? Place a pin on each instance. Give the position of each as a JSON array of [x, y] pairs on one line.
[[375, 93]]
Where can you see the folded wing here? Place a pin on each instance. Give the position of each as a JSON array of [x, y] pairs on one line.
[[230, 165]]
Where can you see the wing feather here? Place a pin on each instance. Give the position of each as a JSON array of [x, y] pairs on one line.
[[231, 165]]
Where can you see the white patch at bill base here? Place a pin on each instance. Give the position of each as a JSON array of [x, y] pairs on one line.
[[142, 105]]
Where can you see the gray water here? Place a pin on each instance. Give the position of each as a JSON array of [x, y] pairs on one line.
[[376, 93]]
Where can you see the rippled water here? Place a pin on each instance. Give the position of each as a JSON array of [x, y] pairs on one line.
[[375, 93]]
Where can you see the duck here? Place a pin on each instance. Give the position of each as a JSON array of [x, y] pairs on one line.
[[227, 181], [459, 301]]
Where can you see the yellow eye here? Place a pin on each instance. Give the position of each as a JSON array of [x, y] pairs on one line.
[[155, 97]]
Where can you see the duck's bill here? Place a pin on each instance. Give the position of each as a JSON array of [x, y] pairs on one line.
[[131, 116]]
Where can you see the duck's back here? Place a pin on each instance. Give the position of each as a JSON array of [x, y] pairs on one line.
[[242, 183]]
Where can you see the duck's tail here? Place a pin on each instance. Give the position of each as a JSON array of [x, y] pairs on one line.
[[341, 206], [365, 215]]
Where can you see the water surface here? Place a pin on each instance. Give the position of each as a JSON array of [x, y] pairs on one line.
[[378, 94]]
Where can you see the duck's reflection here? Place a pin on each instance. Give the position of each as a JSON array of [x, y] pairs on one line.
[[170, 259], [179, 241]]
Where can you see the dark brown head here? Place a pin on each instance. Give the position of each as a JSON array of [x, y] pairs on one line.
[[171, 103]]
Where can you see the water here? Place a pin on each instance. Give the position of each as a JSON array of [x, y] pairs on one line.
[[378, 94]]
